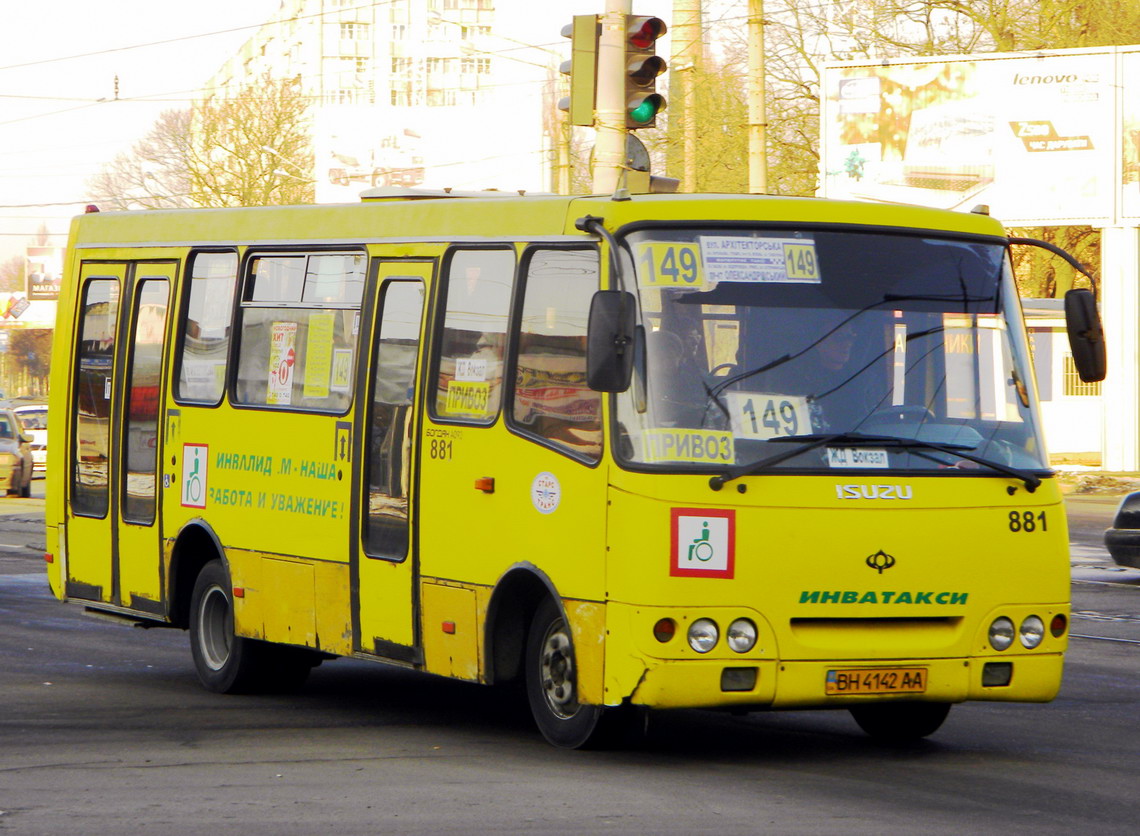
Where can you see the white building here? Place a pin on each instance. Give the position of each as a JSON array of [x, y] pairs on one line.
[[1072, 411], [406, 92]]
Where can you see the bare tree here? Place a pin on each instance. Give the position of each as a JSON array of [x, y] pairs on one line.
[[249, 149], [12, 278], [153, 174], [252, 149], [719, 107], [31, 349]]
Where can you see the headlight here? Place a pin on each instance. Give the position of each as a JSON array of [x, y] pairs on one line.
[[8, 459], [741, 635], [1001, 633], [703, 634], [1032, 631]]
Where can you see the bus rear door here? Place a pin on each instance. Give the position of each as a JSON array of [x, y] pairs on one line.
[[113, 492]]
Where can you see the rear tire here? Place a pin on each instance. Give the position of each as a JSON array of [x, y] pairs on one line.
[[900, 722], [229, 664], [225, 663]]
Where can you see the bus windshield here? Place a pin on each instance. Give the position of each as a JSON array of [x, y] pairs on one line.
[[814, 349]]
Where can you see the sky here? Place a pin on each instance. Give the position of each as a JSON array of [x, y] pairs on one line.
[[81, 82]]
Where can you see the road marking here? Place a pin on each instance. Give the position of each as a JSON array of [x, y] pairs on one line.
[[1124, 584], [1104, 638]]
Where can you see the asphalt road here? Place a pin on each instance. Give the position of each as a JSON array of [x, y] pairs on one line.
[[103, 729]]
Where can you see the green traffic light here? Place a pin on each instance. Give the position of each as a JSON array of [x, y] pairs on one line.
[[644, 111]]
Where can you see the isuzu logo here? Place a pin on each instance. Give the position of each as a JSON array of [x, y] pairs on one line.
[[874, 492], [880, 560]]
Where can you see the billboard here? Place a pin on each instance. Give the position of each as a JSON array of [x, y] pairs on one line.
[[1042, 138], [44, 272], [1130, 134]]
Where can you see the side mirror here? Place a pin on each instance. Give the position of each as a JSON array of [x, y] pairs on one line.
[[610, 341], [27, 439], [1086, 335]]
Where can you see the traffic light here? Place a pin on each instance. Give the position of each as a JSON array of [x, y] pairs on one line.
[[582, 69], [642, 66]]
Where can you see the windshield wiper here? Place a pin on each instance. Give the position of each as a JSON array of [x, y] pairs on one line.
[[816, 440]]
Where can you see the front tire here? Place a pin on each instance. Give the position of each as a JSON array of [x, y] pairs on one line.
[[900, 722], [552, 682]]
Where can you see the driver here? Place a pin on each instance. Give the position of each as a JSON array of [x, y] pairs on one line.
[[827, 375]]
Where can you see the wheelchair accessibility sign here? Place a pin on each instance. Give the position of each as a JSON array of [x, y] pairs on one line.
[[194, 461], [703, 543]]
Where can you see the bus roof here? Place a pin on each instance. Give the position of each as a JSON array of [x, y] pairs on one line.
[[442, 217]]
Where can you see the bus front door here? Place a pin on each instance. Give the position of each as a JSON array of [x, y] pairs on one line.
[[385, 565]]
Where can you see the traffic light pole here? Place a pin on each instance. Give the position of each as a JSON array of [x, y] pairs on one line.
[[609, 145]]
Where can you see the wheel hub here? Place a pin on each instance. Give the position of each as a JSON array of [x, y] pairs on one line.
[[215, 628], [558, 679]]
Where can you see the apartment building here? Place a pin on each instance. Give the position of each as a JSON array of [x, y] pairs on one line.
[[403, 92]]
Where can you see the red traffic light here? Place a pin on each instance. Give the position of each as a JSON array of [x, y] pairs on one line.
[[643, 31]]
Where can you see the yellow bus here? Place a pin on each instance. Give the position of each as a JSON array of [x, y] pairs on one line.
[[729, 452]]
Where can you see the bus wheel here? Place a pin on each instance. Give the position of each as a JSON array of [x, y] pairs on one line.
[[225, 663], [552, 682], [900, 722]]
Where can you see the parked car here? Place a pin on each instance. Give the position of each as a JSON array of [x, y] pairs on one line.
[[15, 454], [33, 415], [1123, 539]]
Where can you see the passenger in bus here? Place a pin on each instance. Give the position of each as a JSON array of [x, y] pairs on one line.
[[674, 381]]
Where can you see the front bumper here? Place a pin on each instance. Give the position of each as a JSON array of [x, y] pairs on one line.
[[792, 685]]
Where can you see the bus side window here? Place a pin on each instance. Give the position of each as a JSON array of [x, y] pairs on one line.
[[551, 397], [144, 385], [206, 331], [470, 363], [94, 363], [299, 321]]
